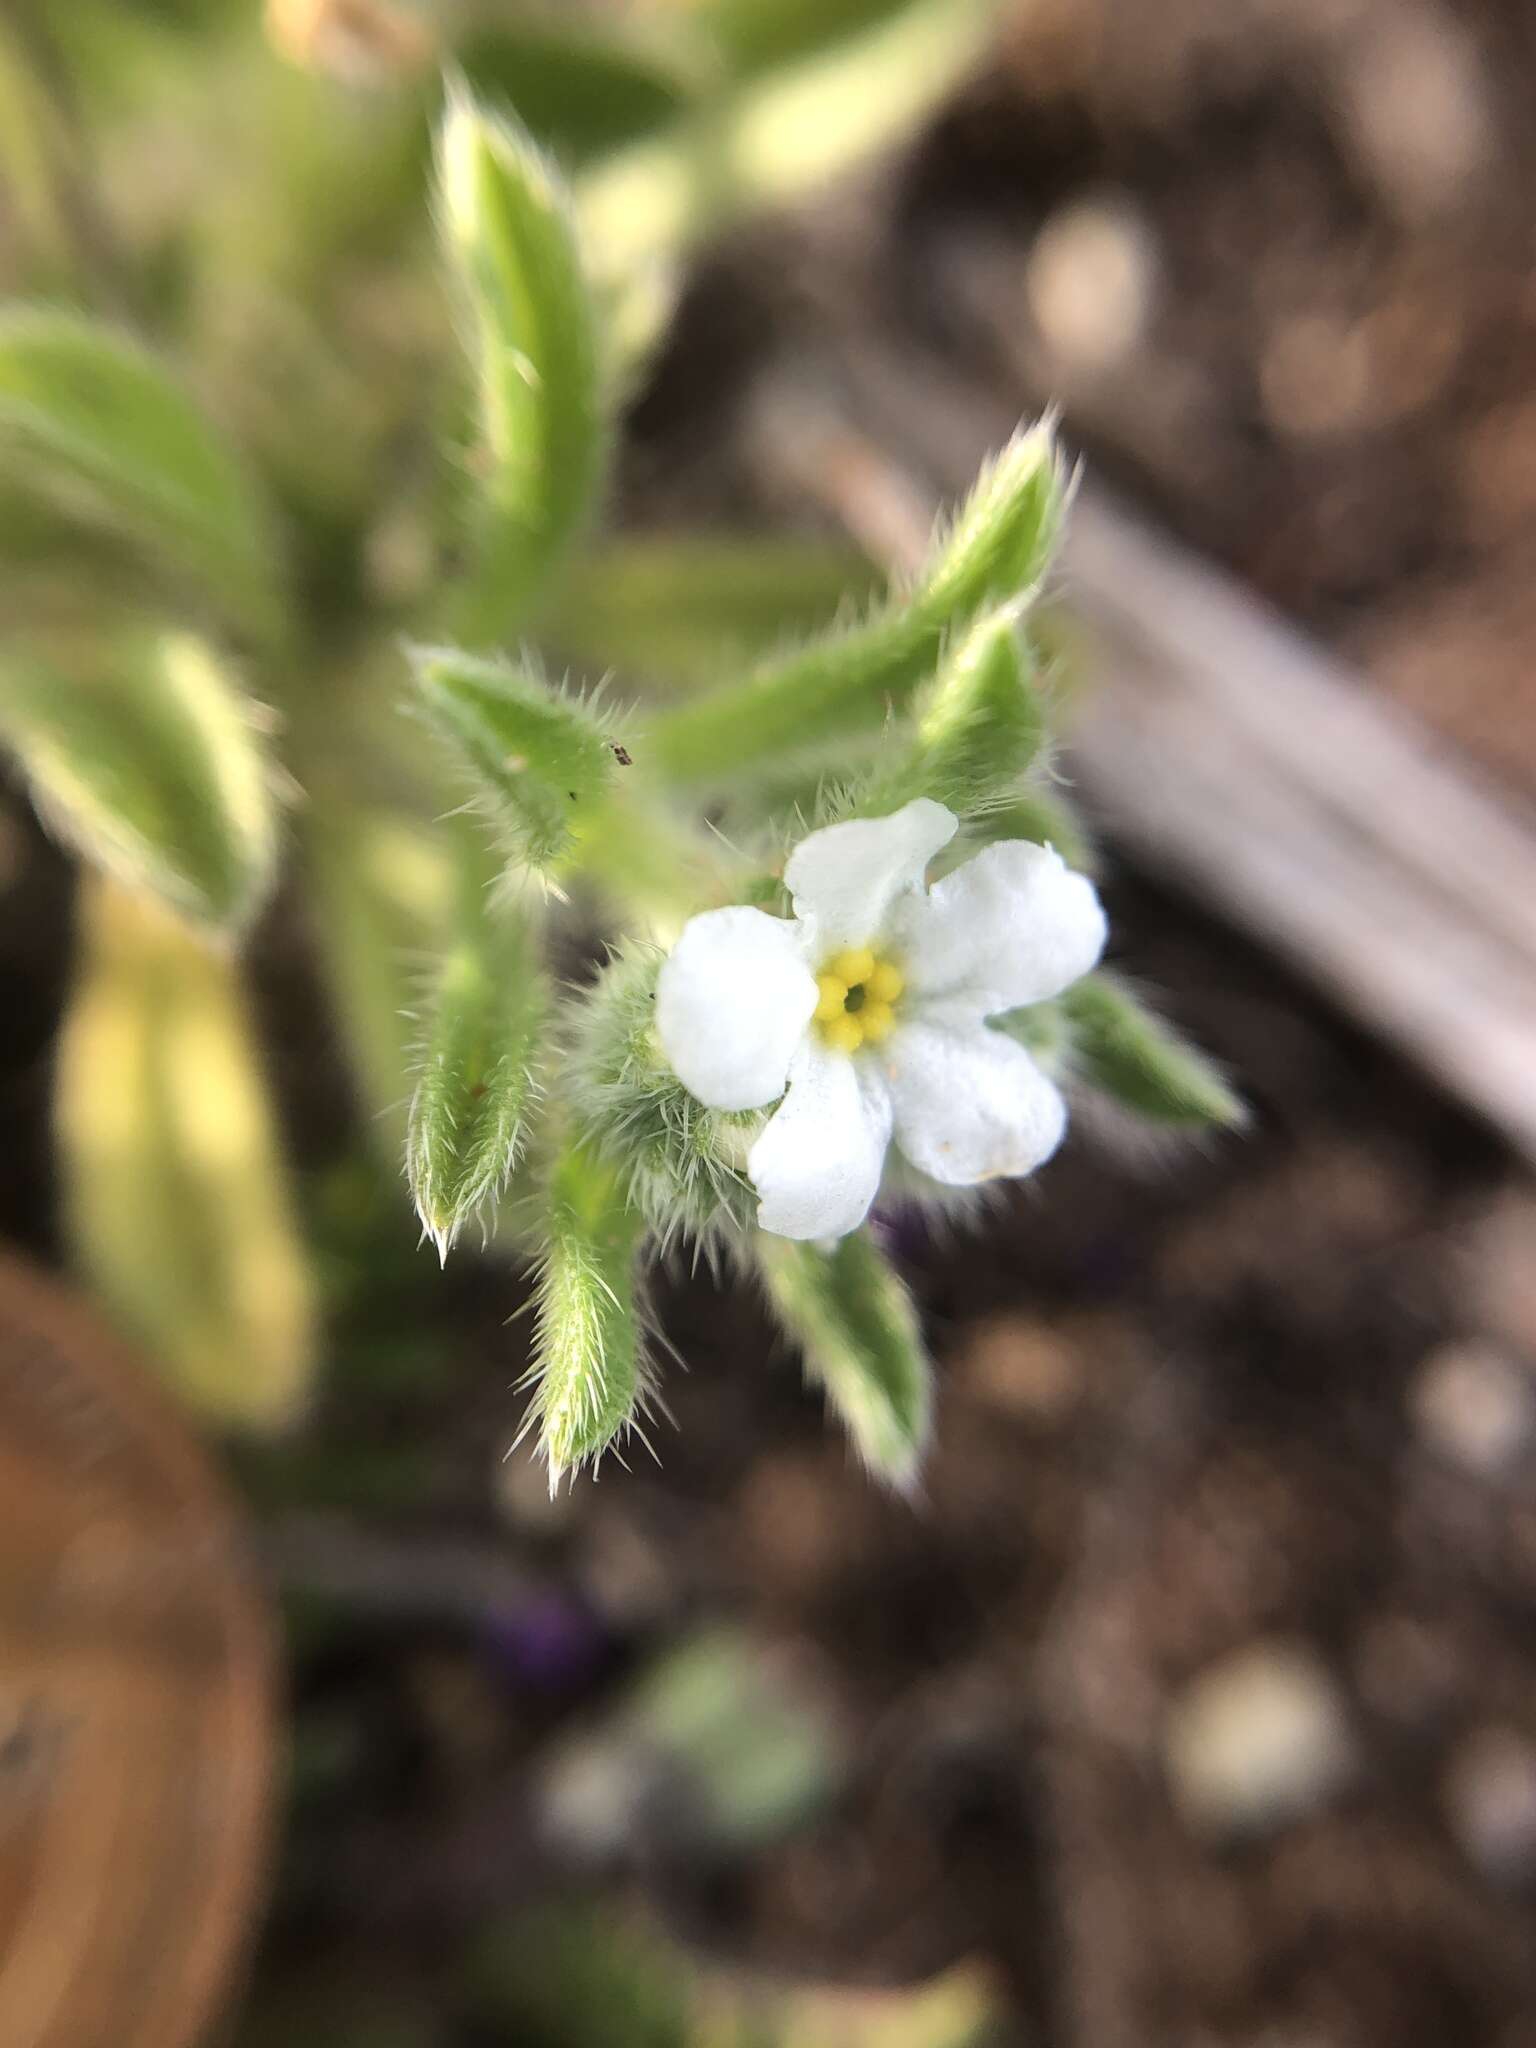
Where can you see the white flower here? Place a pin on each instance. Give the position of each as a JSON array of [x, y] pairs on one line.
[[871, 1005]]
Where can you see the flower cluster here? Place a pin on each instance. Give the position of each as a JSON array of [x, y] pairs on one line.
[[867, 1012]]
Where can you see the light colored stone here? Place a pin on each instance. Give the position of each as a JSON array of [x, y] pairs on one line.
[[1490, 1797], [1020, 1367], [1091, 281], [1417, 108], [1473, 1405], [1257, 1739]]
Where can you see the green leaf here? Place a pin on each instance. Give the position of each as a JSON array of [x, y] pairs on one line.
[[175, 1196], [381, 891], [564, 1974], [92, 423], [1000, 542], [688, 609], [508, 231], [756, 35], [540, 759], [751, 1738], [478, 1077], [1119, 1046], [788, 132], [847, 684], [589, 1363], [152, 768], [1045, 816], [979, 726], [853, 1318], [869, 88], [39, 167], [581, 86]]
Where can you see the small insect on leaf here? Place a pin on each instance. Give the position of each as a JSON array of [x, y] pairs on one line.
[[539, 758]]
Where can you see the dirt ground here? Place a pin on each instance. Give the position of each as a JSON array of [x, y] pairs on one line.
[[1195, 1695]]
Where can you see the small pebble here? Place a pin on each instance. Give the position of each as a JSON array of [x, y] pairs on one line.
[[1020, 1367], [1490, 1796], [1418, 108], [1473, 1405], [1257, 1739], [1091, 281]]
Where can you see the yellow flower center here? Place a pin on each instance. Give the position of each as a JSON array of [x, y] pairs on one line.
[[856, 1005]]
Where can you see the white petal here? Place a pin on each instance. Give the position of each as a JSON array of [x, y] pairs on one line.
[[1015, 925], [732, 1003], [845, 879], [818, 1162], [970, 1105]]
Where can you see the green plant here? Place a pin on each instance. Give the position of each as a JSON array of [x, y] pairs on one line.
[[233, 704]]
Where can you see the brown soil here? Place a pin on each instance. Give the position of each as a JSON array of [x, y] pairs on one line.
[[1271, 1401]]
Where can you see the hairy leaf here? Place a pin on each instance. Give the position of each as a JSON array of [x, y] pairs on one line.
[[93, 424], [175, 1196], [590, 1368], [689, 609], [582, 85], [854, 1321], [478, 1075], [508, 231], [1120, 1047], [153, 768], [847, 683], [1044, 815], [979, 726], [756, 35], [381, 888]]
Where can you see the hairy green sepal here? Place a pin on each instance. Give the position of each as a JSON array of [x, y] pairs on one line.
[[1120, 1047], [478, 1079], [682, 1166], [855, 1322], [589, 1367]]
